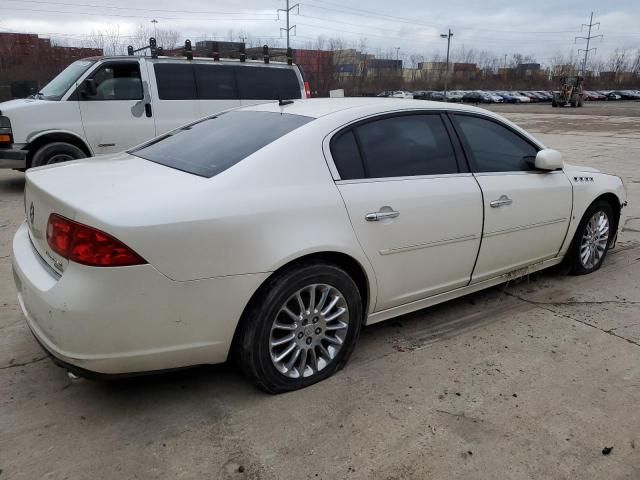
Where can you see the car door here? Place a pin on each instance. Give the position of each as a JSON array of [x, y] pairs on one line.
[[526, 211], [117, 114], [416, 211]]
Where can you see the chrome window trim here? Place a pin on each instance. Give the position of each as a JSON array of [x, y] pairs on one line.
[[518, 172], [403, 179]]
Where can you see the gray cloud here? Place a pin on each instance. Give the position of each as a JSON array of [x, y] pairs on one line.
[[542, 28]]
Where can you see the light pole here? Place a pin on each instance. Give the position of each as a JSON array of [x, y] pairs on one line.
[[155, 31], [446, 73]]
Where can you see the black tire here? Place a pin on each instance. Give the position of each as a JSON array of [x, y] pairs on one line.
[[252, 344], [577, 267], [56, 152]]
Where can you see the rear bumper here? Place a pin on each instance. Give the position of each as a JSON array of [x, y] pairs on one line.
[[13, 158], [127, 320]]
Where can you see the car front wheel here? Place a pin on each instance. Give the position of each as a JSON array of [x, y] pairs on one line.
[[301, 329], [592, 239]]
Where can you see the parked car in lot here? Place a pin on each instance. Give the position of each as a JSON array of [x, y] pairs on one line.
[[274, 232], [108, 104], [476, 97], [455, 96], [401, 94], [520, 97], [508, 98]]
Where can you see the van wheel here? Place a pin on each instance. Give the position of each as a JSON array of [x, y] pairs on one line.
[[301, 329], [56, 152]]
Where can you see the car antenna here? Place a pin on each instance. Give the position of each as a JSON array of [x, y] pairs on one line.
[[282, 102]]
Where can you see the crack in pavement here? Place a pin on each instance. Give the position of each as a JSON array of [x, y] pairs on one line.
[[13, 365], [542, 305]]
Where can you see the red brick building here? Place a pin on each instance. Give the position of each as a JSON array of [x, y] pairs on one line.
[[28, 61]]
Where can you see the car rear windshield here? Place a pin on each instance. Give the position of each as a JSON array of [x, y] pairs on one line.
[[212, 145]]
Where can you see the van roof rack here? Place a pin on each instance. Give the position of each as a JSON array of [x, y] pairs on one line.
[[156, 51]]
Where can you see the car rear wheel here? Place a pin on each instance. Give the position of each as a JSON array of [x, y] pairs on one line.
[[56, 152], [592, 239], [301, 329]]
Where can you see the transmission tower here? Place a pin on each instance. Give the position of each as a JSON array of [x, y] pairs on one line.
[[292, 27], [588, 38]]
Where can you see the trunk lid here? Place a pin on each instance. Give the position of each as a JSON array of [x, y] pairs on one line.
[[118, 194]]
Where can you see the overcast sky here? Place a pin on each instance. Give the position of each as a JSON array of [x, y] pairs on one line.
[[542, 28]]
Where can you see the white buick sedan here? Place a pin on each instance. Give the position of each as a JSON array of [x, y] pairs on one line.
[[273, 233]]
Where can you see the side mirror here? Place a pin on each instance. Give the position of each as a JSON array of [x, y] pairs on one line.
[[549, 159], [89, 88]]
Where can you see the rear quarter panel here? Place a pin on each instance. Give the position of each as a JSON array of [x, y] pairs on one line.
[[275, 206]]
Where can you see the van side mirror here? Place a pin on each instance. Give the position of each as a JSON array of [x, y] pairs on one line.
[[549, 159], [88, 88]]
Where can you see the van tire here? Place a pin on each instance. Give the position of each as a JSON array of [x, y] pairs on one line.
[[56, 152]]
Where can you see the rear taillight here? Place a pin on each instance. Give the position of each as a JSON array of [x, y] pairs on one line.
[[86, 245], [307, 89]]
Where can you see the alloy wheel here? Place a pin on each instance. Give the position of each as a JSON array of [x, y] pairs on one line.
[[309, 330], [594, 239]]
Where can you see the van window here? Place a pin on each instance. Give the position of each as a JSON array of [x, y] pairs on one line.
[[215, 82], [175, 81], [212, 145], [117, 81], [267, 83]]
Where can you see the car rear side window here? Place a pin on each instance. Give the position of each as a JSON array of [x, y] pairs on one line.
[[175, 81], [215, 82], [267, 83], [494, 147], [346, 156], [212, 145], [407, 145]]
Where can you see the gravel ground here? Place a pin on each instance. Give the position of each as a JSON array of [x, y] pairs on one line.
[[527, 380]]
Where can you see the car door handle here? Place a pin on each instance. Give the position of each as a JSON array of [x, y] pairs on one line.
[[381, 215], [503, 200]]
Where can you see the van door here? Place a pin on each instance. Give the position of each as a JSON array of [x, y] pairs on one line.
[[116, 110], [175, 96]]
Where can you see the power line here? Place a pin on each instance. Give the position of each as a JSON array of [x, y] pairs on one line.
[[95, 14], [114, 7]]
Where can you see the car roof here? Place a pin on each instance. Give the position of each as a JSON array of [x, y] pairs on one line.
[[360, 106]]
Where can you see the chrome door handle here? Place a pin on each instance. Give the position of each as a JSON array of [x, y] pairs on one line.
[[381, 215], [503, 200]]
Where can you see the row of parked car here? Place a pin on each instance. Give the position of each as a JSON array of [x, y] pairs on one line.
[[484, 96]]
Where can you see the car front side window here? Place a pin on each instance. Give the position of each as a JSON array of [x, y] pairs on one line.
[[494, 147]]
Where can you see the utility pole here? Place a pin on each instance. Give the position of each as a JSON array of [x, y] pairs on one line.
[[397, 53], [446, 73], [292, 27], [588, 39], [155, 31], [505, 61]]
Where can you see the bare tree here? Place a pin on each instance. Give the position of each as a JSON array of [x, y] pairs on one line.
[[108, 40]]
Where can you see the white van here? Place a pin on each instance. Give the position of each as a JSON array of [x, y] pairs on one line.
[[108, 104]]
